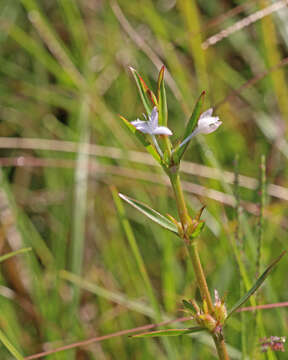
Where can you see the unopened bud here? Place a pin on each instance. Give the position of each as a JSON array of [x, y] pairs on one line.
[[208, 321], [220, 310]]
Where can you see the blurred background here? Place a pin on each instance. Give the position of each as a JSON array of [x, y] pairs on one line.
[[96, 265]]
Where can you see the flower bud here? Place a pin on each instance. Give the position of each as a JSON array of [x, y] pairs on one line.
[[219, 308], [208, 321]]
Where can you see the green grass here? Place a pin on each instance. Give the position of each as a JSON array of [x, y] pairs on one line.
[[96, 265]]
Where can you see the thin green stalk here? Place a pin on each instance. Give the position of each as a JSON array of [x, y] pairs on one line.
[[200, 276], [180, 201], [261, 210], [240, 245], [195, 259], [81, 188]]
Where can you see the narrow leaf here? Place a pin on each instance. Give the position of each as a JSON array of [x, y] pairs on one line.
[[255, 287], [143, 139], [13, 253], [188, 306], [147, 96], [162, 101], [151, 213], [170, 332], [192, 123], [197, 230]]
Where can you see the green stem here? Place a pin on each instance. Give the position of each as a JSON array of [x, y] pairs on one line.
[[179, 196], [221, 347], [167, 144], [201, 280], [194, 256]]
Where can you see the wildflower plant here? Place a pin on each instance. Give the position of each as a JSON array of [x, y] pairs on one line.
[[153, 132]]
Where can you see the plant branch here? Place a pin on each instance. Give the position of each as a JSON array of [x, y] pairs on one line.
[[192, 249]]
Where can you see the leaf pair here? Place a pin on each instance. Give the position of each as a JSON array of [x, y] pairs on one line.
[[149, 99]]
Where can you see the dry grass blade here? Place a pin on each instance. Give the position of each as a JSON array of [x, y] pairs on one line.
[[274, 190], [104, 337], [241, 24]]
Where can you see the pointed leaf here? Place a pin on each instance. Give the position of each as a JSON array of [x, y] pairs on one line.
[[162, 101], [151, 213], [192, 123], [255, 287], [142, 138], [197, 230], [147, 96], [170, 332], [188, 306]]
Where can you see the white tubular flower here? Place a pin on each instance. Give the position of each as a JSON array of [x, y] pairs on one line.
[[208, 123], [151, 126]]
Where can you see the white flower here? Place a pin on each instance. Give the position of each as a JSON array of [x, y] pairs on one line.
[[151, 126], [208, 123]]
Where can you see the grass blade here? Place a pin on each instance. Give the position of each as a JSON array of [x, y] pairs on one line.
[[81, 186], [10, 347], [14, 253], [255, 287]]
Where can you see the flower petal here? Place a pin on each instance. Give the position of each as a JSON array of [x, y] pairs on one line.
[[162, 130], [209, 128], [137, 122], [142, 126], [208, 124], [154, 118], [207, 113]]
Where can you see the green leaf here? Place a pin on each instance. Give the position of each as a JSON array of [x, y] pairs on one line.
[[143, 139], [147, 96], [197, 230], [162, 101], [188, 306], [151, 213], [169, 332], [254, 288], [13, 253], [192, 123]]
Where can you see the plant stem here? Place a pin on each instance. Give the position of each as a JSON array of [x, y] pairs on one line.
[[179, 196], [221, 347], [201, 280], [194, 256]]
